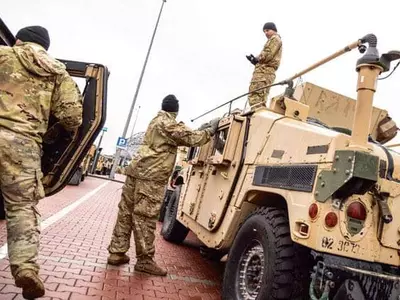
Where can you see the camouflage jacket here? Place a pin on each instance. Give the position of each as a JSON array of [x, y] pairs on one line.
[[156, 157], [269, 59], [34, 85]]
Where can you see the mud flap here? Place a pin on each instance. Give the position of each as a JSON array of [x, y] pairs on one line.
[[337, 278], [350, 289]]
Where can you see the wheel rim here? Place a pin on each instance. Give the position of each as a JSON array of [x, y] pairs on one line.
[[251, 271]]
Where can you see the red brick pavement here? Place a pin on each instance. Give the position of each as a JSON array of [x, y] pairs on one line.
[[73, 256], [50, 205]]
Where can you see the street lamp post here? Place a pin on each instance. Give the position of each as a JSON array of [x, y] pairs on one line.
[[134, 124], [118, 152]]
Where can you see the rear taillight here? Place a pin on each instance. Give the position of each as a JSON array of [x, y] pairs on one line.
[[313, 211], [356, 216], [356, 210], [331, 219]]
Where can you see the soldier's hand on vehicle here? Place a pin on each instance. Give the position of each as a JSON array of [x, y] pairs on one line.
[[214, 125], [204, 126]]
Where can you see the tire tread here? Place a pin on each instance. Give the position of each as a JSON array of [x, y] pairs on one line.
[[287, 256], [173, 231]]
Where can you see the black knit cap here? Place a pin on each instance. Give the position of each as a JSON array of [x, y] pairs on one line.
[[170, 104], [34, 34], [270, 25]]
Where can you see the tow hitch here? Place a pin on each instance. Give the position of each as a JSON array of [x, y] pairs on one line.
[[318, 282]]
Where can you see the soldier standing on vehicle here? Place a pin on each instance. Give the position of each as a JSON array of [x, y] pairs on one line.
[[147, 176], [266, 64], [33, 85]]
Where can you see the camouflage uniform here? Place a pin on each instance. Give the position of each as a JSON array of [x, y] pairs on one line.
[[264, 71], [32, 86], [144, 188]]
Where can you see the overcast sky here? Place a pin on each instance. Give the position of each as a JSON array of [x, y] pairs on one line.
[[200, 47]]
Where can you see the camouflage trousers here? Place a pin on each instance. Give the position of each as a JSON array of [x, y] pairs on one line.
[[138, 212], [21, 187], [259, 98]]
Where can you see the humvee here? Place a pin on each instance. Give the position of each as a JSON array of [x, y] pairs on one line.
[[302, 194], [63, 154]]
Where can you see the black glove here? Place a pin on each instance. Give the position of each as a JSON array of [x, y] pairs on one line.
[[252, 59]]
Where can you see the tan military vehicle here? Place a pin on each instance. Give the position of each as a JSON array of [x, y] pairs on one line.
[[62, 153], [303, 195]]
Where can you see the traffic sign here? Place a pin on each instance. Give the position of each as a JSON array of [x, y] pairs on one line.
[[105, 129], [122, 142]]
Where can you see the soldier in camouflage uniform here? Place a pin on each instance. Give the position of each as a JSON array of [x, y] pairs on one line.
[[266, 64], [33, 85], [143, 191]]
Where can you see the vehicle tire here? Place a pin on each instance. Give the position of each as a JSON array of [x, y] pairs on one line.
[[172, 230], [164, 205], [263, 262], [76, 178], [2, 209]]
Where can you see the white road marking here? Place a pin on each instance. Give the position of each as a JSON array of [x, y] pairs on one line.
[[54, 218]]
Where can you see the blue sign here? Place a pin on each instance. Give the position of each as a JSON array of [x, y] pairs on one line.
[[105, 129], [122, 142]]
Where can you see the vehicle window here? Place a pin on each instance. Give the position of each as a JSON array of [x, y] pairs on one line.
[[220, 141], [192, 153]]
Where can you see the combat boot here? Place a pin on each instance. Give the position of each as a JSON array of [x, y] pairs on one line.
[[117, 259], [149, 266], [31, 284]]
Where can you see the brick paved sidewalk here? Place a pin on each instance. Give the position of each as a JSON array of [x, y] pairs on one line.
[[73, 255]]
